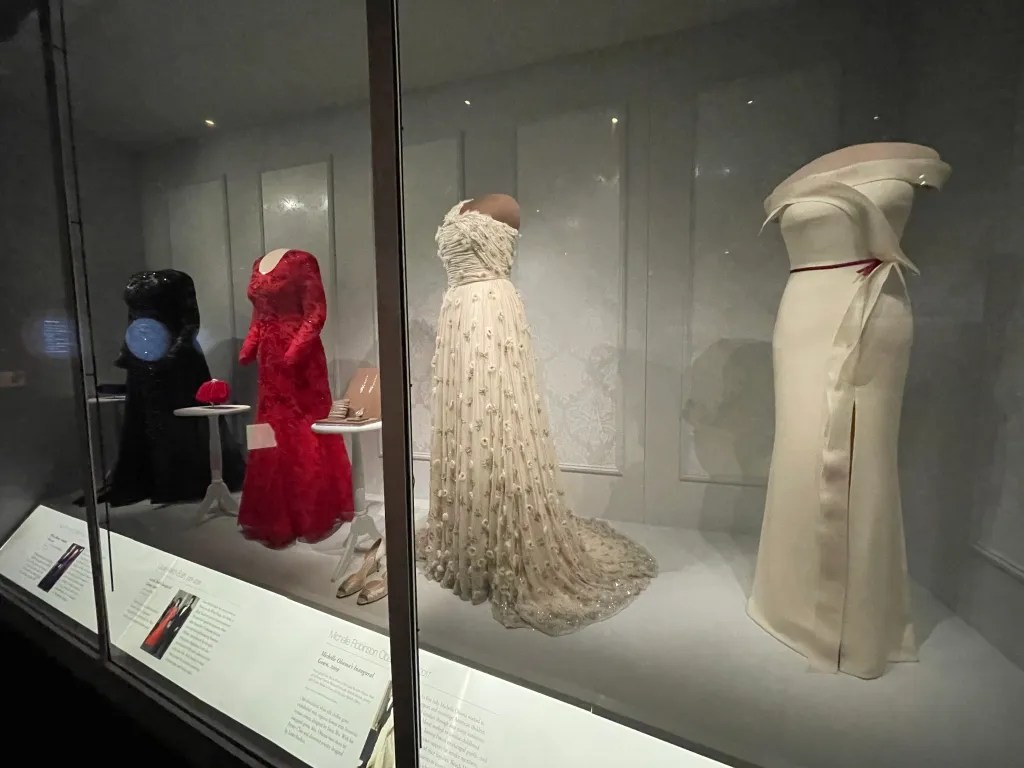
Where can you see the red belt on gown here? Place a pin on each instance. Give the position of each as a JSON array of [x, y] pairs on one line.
[[867, 266]]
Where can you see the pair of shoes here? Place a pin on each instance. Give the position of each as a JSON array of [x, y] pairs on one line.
[[369, 589]]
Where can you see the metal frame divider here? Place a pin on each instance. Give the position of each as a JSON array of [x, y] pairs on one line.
[[66, 186], [393, 355]]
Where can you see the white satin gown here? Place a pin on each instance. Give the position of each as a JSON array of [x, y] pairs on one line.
[[831, 577]]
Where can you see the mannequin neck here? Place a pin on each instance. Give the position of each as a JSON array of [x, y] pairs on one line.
[[271, 260], [499, 207]]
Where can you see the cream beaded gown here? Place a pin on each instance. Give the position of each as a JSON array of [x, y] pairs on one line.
[[498, 526]]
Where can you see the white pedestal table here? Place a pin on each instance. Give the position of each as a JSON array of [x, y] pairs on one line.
[[218, 499], [362, 523]]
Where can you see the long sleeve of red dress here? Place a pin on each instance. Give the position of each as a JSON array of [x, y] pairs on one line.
[[247, 355], [314, 310]]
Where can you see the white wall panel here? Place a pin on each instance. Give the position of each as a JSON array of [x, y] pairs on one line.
[[750, 135], [297, 214], [571, 272], [432, 178], [197, 218]]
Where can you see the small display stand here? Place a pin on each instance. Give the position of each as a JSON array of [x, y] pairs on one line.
[[363, 394], [362, 523], [218, 499]]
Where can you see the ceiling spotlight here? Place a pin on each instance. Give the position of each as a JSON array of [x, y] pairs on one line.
[[209, 123], [615, 121], [467, 102], [876, 117], [749, 102]]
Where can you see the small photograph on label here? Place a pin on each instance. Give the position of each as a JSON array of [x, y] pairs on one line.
[[379, 748], [60, 567], [169, 624]]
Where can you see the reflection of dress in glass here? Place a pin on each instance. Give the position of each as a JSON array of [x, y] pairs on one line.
[[498, 526], [163, 457], [302, 487]]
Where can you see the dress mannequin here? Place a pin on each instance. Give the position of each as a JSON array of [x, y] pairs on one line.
[[271, 260], [859, 153], [831, 577], [503, 208]]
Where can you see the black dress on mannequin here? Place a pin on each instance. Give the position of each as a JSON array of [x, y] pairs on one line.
[[163, 457]]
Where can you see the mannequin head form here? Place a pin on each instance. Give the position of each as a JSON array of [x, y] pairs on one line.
[[499, 207]]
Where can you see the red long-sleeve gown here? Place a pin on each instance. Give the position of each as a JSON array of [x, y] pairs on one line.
[[302, 487]]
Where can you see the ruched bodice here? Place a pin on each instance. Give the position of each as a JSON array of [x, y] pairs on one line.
[[474, 246]]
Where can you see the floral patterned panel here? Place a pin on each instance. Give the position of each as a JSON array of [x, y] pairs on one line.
[[570, 272]]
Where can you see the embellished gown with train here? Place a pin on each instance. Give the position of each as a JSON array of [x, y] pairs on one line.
[[499, 527]]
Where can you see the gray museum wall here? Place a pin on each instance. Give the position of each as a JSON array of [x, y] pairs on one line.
[[963, 425], [111, 214]]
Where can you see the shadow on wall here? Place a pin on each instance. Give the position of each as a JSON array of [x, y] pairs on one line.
[[723, 443], [729, 405], [1000, 405]]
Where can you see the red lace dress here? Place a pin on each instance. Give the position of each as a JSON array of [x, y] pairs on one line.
[[302, 487]]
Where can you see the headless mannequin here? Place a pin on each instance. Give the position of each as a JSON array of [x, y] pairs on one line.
[[831, 577], [272, 259], [499, 207], [885, 172]]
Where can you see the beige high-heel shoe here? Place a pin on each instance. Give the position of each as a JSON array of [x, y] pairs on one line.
[[377, 587], [355, 582]]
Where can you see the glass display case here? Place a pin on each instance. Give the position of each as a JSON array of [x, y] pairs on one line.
[[45, 564], [484, 384], [685, 450], [218, 202]]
